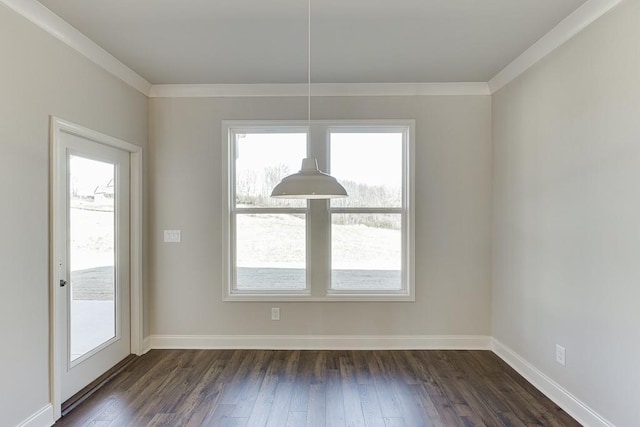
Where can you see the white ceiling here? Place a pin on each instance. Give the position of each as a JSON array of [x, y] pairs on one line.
[[353, 41]]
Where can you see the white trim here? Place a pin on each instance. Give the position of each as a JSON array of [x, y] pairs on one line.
[[146, 345], [316, 290], [317, 89], [554, 391], [331, 296], [323, 342], [42, 418], [136, 249], [58, 126], [63, 31], [561, 33]]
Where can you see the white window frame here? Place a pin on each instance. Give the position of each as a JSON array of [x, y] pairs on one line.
[[318, 145]]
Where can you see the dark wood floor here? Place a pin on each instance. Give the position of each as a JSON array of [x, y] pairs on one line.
[[317, 388]]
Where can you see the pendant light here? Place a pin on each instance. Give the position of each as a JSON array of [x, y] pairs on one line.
[[309, 182]]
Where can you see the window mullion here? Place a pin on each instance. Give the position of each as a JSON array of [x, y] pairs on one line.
[[319, 220]]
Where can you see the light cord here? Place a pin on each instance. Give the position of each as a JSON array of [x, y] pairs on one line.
[[309, 61]]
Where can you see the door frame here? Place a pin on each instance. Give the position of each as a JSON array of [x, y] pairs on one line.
[[57, 127]]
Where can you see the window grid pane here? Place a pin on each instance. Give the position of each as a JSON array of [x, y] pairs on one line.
[[369, 166], [261, 161], [270, 252], [366, 239], [366, 251]]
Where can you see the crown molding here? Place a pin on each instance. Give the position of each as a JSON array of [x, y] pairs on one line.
[[60, 29], [317, 89], [561, 33]]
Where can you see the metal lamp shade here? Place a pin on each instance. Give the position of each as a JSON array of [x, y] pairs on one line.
[[309, 183]]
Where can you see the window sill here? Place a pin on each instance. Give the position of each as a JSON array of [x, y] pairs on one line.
[[338, 297]]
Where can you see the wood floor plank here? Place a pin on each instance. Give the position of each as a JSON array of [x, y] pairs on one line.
[[351, 395], [361, 365], [394, 422], [302, 382], [204, 396], [317, 404], [140, 405], [319, 367], [280, 406], [386, 397], [266, 393], [296, 419], [84, 414], [292, 360], [428, 403], [412, 412], [162, 420], [237, 384], [109, 399], [172, 390], [317, 388], [221, 416], [370, 406], [334, 399], [254, 381]]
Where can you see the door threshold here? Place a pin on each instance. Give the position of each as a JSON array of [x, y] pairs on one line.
[[75, 400]]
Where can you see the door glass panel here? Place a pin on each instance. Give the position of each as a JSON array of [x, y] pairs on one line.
[[92, 306]]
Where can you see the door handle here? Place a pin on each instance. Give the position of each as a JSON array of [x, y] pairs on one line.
[[62, 283]]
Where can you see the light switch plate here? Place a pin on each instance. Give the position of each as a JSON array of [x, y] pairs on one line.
[[172, 236]]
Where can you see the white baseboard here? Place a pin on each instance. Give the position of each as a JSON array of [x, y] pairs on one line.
[[554, 391], [323, 342], [42, 418], [146, 345]]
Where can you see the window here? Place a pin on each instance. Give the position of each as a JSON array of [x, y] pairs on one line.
[[358, 248]]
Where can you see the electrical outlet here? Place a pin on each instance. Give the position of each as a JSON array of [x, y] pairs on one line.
[[172, 236], [561, 354], [275, 313]]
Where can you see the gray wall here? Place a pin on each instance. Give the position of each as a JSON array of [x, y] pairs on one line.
[[453, 207], [41, 77], [566, 215]]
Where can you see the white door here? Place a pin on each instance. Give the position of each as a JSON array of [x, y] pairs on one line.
[[94, 297]]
